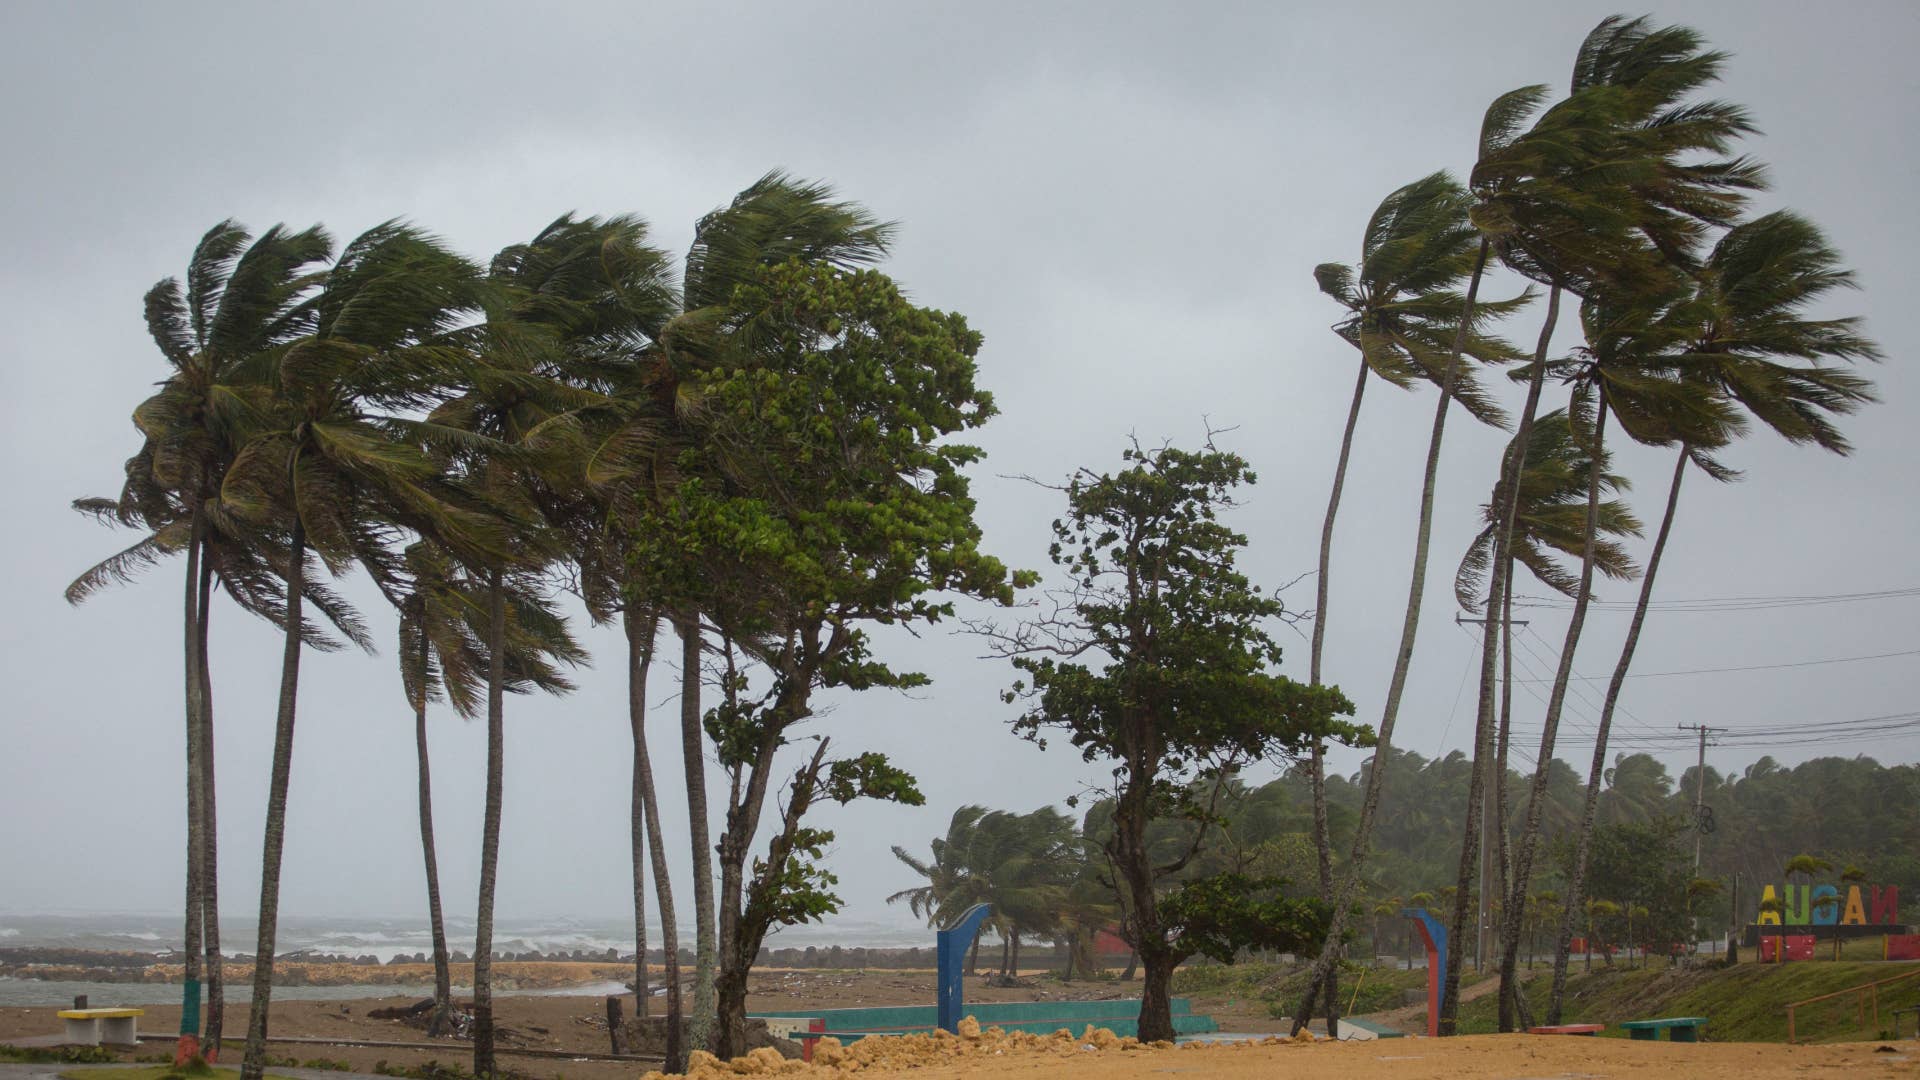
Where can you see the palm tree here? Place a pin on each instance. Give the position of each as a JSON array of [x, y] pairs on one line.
[[1546, 518], [1771, 906], [1020, 865], [444, 654], [1654, 167], [243, 296], [321, 451], [1737, 336], [605, 293], [1448, 237], [951, 886], [1851, 877], [1402, 306]]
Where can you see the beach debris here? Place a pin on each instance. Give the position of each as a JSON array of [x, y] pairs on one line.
[[898, 1052]]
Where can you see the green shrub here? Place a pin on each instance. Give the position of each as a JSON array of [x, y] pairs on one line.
[[57, 1055]]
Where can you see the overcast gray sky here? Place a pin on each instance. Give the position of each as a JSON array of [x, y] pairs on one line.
[[1127, 200]]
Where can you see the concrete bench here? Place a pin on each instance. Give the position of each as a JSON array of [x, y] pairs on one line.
[[91, 1027], [1679, 1028], [1567, 1029]]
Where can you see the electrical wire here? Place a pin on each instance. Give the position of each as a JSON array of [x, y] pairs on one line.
[[1758, 667], [1722, 603]]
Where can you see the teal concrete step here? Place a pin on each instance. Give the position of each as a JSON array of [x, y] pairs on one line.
[[1040, 1017]]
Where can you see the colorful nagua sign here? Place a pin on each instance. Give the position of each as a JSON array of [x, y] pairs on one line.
[[1880, 906]]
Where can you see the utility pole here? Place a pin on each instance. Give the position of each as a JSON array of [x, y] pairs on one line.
[[1699, 813], [1489, 821], [1699, 788]]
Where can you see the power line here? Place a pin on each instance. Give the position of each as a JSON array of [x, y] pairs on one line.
[[1757, 667], [1632, 723], [1723, 603]]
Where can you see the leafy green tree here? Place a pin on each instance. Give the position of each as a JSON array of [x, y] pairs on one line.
[[775, 220], [820, 485], [1158, 658]]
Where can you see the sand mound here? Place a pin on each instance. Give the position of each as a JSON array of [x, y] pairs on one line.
[[895, 1052]]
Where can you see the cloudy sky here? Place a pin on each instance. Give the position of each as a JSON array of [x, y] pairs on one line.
[[1126, 200]]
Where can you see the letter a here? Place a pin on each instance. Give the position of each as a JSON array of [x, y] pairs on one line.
[[1769, 908], [1856, 914]]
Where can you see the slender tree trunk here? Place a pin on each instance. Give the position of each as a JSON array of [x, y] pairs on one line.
[[1318, 769], [254, 1065], [1576, 886], [1465, 903], [1563, 673], [483, 1062], [639, 658], [1322, 835], [642, 631], [442, 1019], [188, 1045], [693, 747], [1370, 805], [1506, 725], [216, 976], [973, 955], [1499, 590]]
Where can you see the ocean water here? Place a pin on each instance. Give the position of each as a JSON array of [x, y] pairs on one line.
[[19, 992], [386, 938]]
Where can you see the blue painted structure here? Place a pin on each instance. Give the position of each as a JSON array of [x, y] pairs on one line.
[[950, 953], [1435, 933]]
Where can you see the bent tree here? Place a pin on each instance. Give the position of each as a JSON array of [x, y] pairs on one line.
[[1156, 656], [817, 496]]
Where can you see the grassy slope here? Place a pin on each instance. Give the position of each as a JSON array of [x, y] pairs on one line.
[[1745, 1003], [1280, 987]]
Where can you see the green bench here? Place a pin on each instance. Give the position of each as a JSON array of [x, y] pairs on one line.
[[1679, 1028]]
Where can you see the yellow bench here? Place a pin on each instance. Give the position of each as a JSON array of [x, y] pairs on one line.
[[91, 1027]]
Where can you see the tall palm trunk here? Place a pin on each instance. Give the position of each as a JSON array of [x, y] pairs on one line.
[[1564, 671], [1322, 835], [188, 1045], [1583, 849], [483, 1063], [640, 662], [254, 1064], [1486, 757], [693, 746], [442, 1018], [216, 977], [1403, 659], [1502, 826]]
